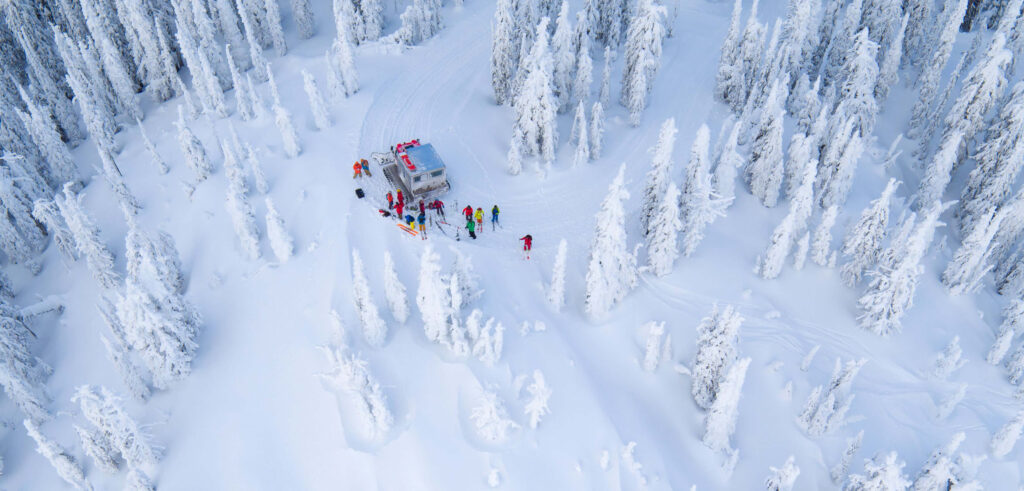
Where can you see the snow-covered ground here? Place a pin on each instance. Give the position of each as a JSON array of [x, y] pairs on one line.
[[254, 414]]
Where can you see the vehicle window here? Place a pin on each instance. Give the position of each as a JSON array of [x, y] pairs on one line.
[[436, 173], [417, 179]]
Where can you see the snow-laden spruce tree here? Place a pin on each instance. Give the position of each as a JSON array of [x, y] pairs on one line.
[[612, 271], [158, 161], [272, 15], [728, 164], [596, 130], [280, 240], [563, 58], [22, 375], [536, 104], [981, 91], [717, 347], [643, 57], [556, 290], [469, 282], [1013, 316], [939, 171], [698, 205], [765, 171], [949, 360], [730, 87], [304, 19], [394, 290], [792, 226], [663, 237], [374, 329], [99, 449], [119, 353], [582, 154], [115, 430], [821, 247], [514, 157], [243, 100], [604, 93], [971, 261], [883, 473], [826, 408], [342, 79], [934, 54], [942, 471], [1006, 438], [60, 167], [283, 119], [783, 478], [87, 237], [863, 242], [841, 46], [653, 347], [584, 72], [998, 163], [112, 174], [797, 159], [838, 165], [504, 52], [432, 295], [893, 282], [537, 406], [660, 175], [46, 213], [750, 51], [720, 421], [490, 418], [842, 468], [159, 323], [65, 464], [193, 150], [888, 70], [579, 121], [243, 218], [857, 92], [321, 117]]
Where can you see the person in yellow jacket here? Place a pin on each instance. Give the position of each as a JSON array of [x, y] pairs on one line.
[[479, 215]]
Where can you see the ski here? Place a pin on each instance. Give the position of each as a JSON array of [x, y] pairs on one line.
[[407, 229]]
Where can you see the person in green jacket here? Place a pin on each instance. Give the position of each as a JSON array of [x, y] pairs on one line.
[[471, 226]]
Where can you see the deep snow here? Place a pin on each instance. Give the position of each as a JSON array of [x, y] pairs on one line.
[[253, 414]]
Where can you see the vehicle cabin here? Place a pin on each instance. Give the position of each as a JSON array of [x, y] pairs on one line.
[[420, 167]]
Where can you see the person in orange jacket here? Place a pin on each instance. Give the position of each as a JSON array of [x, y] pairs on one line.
[[357, 170]]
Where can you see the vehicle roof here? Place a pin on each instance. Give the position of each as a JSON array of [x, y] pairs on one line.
[[425, 158]]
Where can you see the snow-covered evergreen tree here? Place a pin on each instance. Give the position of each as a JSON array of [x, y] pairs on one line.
[[158, 161], [504, 52], [939, 172], [118, 352], [838, 165], [374, 329], [316, 101], [193, 150], [860, 76], [60, 167], [808, 107], [730, 87], [792, 226], [612, 270], [717, 347], [243, 100], [394, 290], [87, 237], [45, 212], [765, 172], [273, 17], [537, 406], [980, 92], [826, 408], [863, 242], [584, 72], [604, 95], [536, 105], [490, 419], [643, 57], [934, 54], [67, 466], [514, 157], [653, 346], [342, 79], [888, 70], [891, 290], [22, 375], [563, 58], [283, 119], [432, 295], [302, 14], [729, 162], [280, 239], [115, 431], [821, 247], [1013, 316], [698, 204], [596, 130], [556, 290], [720, 421], [940, 470], [1006, 438], [970, 262], [750, 50], [884, 473], [783, 478], [950, 360], [659, 177], [842, 468], [663, 235]]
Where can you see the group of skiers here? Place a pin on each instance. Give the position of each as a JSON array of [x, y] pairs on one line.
[[475, 219], [361, 167]]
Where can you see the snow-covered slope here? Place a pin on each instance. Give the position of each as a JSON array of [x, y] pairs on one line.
[[256, 414]]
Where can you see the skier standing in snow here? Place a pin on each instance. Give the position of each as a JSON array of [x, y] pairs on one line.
[[479, 215], [494, 216], [357, 170], [468, 211], [423, 207], [422, 221], [471, 227], [401, 197], [398, 207], [527, 244], [391, 201], [366, 167], [438, 206]]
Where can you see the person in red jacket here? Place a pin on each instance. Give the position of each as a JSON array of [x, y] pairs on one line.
[[423, 208], [401, 198], [468, 211], [398, 208], [527, 244]]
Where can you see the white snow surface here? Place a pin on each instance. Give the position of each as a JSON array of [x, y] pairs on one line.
[[254, 415]]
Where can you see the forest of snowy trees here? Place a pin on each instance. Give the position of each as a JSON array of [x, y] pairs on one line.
[[801, 104]]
